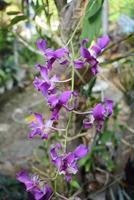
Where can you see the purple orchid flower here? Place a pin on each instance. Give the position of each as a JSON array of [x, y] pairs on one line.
[[57, 102], [99, 113], [88, 58], [32, 185], [60, 55], [46, 85], [39, 128], [67, 163]]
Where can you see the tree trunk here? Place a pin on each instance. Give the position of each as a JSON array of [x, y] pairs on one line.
[[69, 17], [60, 4]]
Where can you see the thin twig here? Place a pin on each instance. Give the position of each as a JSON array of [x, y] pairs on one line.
[[61, 196], [76, 136], [116, 59], [129, 128], [127, 143], [104, 188], [27, 45]]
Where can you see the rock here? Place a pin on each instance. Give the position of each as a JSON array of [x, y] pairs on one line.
[[9, 84], [4, 127], [7, 168], [2, 89]]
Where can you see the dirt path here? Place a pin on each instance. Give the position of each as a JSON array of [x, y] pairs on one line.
[[15, 149]]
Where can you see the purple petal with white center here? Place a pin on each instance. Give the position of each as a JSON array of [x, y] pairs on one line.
[[80, 151]]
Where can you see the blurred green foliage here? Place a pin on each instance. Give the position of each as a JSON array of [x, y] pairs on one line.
[[117, 7], [10, 189]]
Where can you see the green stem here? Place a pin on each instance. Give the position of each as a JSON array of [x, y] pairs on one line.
[[73, 34], [67, 128], [72, 88]]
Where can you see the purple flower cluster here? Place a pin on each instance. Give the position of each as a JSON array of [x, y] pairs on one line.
[[88, 58], [66, 163], [33, 185]]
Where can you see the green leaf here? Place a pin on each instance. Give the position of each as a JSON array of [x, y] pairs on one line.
[[92, 20], [106, 136], [84, 160], [75, 184], [93, 8], [2, 74], [91, 85], [17, 19], [13, 12], [39, 9]]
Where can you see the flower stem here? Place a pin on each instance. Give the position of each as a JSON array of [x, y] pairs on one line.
[[72, 88], [73, 34]]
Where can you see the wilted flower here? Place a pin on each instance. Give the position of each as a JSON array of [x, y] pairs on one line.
[[38, 127], [99, 113], [33, 186], [67, 163]]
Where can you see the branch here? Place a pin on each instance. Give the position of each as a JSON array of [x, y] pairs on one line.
[[116, 59], [26, 44]]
